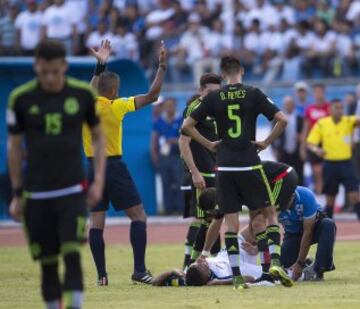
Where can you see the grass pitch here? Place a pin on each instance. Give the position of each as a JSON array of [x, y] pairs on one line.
[[19, 284]]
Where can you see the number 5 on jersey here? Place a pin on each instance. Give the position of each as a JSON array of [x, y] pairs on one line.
[[235, 131], [53, 123]]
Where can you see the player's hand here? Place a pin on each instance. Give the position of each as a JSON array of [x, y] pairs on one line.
[[162, 55], [94, 194], [198, 180], [213, 146], [16, 208], [249, 248], [102, 55], [178, 272], [260, 146], [297, 271], [201, 259]]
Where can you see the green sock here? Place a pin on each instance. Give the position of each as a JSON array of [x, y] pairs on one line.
[[273, 234], [232, 248]]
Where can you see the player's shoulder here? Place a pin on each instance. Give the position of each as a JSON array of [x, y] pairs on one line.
[[324, 121], [21, 91], [79, 86], [192, 106], [304, 194]]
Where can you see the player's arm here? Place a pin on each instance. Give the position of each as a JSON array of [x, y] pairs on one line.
[[162, 278], [357, 121], [154, 92], [15, 157], [280, 124], [220, 282], [303, 135], [186, 154], [154, 145], [211, 236], [102, 56], [314, 139]]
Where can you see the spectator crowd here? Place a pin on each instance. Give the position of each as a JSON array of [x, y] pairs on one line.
[[286, 39]]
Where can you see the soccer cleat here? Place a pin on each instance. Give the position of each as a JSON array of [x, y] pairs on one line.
[[103, 281], [278, 273], [264, 280], [239, 283], [145, 277]]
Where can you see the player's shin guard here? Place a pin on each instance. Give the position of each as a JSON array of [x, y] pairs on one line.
[[263, 248], [273, 234], [73, 281], [138, 238], [97, 247], [232, 248], [199, 242], [216, 246], [50, 284], [190, 239]]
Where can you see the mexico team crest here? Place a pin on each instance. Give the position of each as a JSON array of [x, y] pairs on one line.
[[71, 106]]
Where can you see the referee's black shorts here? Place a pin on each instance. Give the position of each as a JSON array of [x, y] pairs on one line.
[[55, 226], [246, 187]]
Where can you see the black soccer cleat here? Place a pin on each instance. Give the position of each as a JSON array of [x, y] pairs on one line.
[[103, 281], [145, 277]]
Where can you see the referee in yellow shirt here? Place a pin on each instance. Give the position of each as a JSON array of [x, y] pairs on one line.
[[120, 189], [334, 134]]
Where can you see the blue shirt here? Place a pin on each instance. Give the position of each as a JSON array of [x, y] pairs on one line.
[[168, 130], [305, 208]]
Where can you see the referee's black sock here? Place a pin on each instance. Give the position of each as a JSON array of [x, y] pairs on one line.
[[329, 211], [50, 285], [190, 239], [263, 248], [233, 251], [138, 242], [199, 242], [216, 246], [97, 247], [273, 234], [73, 281]]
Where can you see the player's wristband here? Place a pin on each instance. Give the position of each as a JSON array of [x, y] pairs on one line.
[[205, 253], [17, 192], [100, 67], [300, 263]]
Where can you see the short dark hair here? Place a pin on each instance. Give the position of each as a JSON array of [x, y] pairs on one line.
[[107, 81], [192, 99], [209, 78], [194, 277], [50, 50], [230, 65], [207, 199]]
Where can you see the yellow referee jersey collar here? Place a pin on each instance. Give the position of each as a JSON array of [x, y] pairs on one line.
[[103, 99]]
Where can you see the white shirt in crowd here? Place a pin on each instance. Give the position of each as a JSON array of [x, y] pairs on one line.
[[125, 47], [193, 44], [59, 21], [324, 43], [95, 38], [343, 44], [79, 9], [303, 41], [353, 11], [257, 42], [29, 25], [264, 14], [216, 42]]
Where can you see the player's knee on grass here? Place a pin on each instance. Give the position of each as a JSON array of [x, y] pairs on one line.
[[195, 276]]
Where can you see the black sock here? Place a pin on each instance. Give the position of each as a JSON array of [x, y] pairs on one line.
[[233, 251], [329, 211], [97, 246], [138, 243], [190, 239], [73, 281], [263, 248], [199, 242], [273, 234], [216, 246], [50, 282], [357, 210]]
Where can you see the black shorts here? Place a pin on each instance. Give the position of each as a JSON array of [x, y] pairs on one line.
[[237, 188], [186, 189], [119, 188], [339, 172], [312, 158], [195, 210], [54, 226], [284, 188]]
